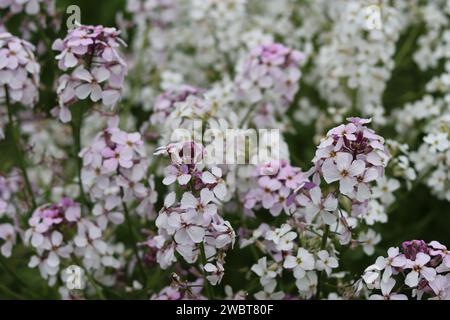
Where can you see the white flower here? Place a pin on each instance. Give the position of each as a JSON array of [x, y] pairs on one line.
[[216, 272], [189, 229], [303, 262], [267, 275], [384, 189], [282, 237], [369, 239], [215, 177], [324, 207], [386, 288], [307, 285], [325, 262]]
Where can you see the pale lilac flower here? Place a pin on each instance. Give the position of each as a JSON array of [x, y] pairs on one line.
[[345, 170], [215, 272], [205, 207], [214, 178], [386, 288], [441, 287], [315, 205], [8, 235], [277, 182], [121, 155], [271, 72], [438, 249], [419, 269], [91, 83]]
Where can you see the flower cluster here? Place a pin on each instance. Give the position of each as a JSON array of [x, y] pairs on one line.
[[30, 7], [48, 227], [305, 264], [415, 270], [157, 12], [432, 159], [193, 226], [241, 95], [59, 231], [271, 73], [93, 67], [277, 182], [354, 66], [115, 170], [354, 156], [19, 71], [10, 186], [165, 103]]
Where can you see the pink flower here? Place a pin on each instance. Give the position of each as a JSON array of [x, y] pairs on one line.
[[271, 71], [346, 131], [293, 177], [268, 186]]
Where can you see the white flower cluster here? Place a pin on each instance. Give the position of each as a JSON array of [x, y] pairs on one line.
[[353, 67]]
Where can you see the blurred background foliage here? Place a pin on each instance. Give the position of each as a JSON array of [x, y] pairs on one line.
[[417, 215]]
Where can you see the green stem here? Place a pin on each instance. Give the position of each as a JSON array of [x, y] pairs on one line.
[[77, 124], [13, 294], [405, 48], [19, 151], [133, 239], [16, 278], [321, 274], [209, 291]]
